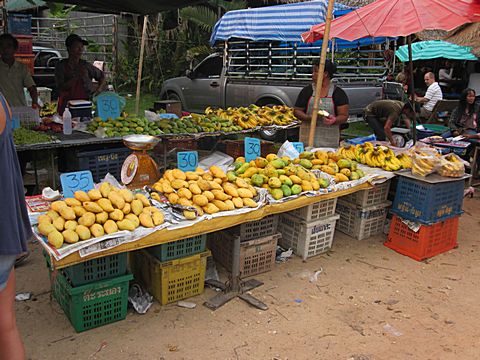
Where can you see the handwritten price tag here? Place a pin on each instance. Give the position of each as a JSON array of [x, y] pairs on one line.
[[252, 148], [298, 146], [74, 181], [187, 160], [109, 105]]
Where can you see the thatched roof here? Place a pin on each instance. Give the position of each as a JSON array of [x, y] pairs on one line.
[[465, 35]]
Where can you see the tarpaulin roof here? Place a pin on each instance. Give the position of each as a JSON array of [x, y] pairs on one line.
[[433, 49], [277, 23]]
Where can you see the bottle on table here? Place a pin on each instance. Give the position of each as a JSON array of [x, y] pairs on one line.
[[67, 122]]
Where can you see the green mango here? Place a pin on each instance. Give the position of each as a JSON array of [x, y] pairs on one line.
[[257, 180], [323, 183], [286, 190], [237, 165], [296, 189], [360, 173], [231, 176], [277, 194], [306, 155], [242, 168], [307, 164], [281, 172], [354, 166], [344, 163], [286, 180], [274, 182], [354, 175]]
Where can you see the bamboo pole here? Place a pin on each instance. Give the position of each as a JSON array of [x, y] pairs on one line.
[[140, 64], [321, 69], [411, 88]]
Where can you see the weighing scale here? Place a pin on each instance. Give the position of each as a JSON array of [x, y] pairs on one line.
[[139, 169]]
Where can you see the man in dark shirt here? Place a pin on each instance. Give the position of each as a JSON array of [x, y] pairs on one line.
[[381, 115]]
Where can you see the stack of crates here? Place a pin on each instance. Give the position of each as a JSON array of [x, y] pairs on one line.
[[173, 271], [309, 230], [20, 26], [258, 246], [363, 213], [436, 206], [93, 293]]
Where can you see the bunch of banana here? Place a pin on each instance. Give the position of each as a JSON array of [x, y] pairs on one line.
[[451, 166], [347, 152], [405, 160], [423, 165], [391, 163], [48, 109]]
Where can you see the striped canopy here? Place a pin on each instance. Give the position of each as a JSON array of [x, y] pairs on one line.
[[276, 23], [433, 49]]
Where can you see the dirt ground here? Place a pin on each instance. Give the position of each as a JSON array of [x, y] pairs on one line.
[[369, 303]]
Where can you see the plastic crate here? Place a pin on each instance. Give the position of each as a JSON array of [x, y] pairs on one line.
[[19, 24], [25, 44], [103, 268], [306, 238], [175, 143], [27, 116], [364, 198], [101, 162], [361, 223], [256, 229], [316, 211], [172, 280], [28, 60], [428, 203], [429, 241], [93, 305], [179, 249], [256, 256], [236, 148]]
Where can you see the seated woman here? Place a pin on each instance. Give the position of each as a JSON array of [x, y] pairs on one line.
[[464, 119]]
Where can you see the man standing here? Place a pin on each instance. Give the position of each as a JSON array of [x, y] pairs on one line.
[[14, 76], [381, 116], [432, 96]]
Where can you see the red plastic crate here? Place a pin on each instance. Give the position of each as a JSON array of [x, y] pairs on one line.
[[25, 44], [429, 241], [28, 60]]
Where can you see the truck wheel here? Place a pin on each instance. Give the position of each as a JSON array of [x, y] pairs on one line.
[[174, 96]]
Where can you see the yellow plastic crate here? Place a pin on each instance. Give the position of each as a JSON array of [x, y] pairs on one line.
[[172, 280]]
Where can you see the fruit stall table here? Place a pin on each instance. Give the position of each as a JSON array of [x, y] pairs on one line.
[[164, 236]]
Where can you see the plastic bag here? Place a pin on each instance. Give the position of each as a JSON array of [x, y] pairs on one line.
[[451, 166], [287, 149], [426, 160]]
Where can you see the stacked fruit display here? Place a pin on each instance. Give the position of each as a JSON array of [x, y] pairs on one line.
[[122, 126], [252, 116], [280, 176], [203, 192], [376, 156], [335, 164], [196, 123], [96, 213]]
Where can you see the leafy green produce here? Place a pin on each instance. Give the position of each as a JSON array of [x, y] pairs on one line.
[[22, 136], [125, 126]]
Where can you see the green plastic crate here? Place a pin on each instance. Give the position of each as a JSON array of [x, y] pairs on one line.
[[103, 268], [179, 249], [92, 305]]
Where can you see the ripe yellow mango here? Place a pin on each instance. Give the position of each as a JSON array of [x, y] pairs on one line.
[[134, 219], [110, 227], [88, 219], [245, 193], [57, 205], [55, 238], [105, 189], [158, 218], [200, 200], [93, 207], [210, 209], [189, 215], [126, 224], [146, 220], [45, 228], [67, 213], [184, 193], [72, 202], [117, 200], [70, 225], [116, 215], [81, 196], [94, 194], [179, 174], [52, 214], [83, 232], [44, 219], [192, 175], [97, 230], [106, 205], [59, 224], [127, 195], [143, 199], [127, 208], [238, 202], [101, 218], [249, 202], [79, 211], [137, 206], [70, 236], [195, 189]]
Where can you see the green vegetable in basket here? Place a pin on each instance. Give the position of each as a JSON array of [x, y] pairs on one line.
[[22, 136]]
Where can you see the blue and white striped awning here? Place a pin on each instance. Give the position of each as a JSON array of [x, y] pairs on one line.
[[276, 23]]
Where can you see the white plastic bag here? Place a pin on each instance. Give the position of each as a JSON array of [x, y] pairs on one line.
[[287, 149]]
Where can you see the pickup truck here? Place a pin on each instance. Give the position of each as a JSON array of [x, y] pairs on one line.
[[45, 61]]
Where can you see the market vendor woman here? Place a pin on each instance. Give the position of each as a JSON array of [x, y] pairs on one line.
[[74, 75], [332, 100]]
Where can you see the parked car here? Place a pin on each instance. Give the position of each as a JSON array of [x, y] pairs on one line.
[[45, 61]]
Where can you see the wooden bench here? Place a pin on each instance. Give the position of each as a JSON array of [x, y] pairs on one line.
[[441, 106]]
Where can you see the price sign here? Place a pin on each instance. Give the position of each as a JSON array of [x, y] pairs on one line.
[[187, 160], [252, 148], [109, 105], [74, 181], [298, 146]]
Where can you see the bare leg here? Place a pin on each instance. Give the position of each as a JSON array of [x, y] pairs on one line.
[[11, 346]]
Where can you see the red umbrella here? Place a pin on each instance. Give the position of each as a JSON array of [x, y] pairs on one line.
[[399, 18]]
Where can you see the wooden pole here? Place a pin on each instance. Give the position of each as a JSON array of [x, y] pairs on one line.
[[140, 64], [321, 69], [411, 89]]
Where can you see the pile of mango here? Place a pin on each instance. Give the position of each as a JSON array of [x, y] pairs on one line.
[[95, 213], [204, 192], [196, 123], [282, 177], [331, 163], [122, 126]]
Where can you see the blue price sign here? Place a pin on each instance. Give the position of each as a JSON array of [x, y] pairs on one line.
[[298, 146], [252, 148], [74, 181], [187, 160], [109, 105]]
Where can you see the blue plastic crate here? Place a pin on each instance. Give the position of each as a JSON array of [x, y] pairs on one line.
[[101, 162], [179, 249], [19, 24], [428, 203]]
